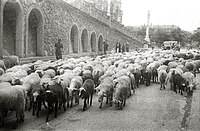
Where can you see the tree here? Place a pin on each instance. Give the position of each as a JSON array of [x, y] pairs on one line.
[[196, 37]]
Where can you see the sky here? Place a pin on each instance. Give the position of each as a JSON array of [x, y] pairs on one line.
[[183, 13]]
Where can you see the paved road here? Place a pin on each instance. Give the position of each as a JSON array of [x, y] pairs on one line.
[[149, 109]]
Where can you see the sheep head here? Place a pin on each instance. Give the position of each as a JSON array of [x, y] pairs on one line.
[[81, 92]]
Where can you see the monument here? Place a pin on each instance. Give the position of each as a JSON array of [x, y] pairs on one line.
[[147, 39]]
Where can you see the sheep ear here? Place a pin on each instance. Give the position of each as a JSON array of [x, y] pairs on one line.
[[48, 91], [183, 84]]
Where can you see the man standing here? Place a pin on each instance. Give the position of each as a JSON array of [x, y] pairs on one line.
[[58, 49], [105, 47]]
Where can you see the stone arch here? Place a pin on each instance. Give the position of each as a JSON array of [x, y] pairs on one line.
[[35, 37], [100, 43], [93, 42], [13, 27], [84, 40], [74, 38]]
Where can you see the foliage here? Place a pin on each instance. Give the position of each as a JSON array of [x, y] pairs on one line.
[[159, 35], [196, 37]]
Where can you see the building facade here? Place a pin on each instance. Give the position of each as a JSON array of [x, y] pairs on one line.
[[115, 7], [30, 28]]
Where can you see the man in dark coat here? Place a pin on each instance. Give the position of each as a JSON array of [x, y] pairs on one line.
[[58, 49], [105, 47], [123, 48]]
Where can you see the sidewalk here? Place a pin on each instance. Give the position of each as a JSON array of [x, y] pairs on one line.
[[194, 119]]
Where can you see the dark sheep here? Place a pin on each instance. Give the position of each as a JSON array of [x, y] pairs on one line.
[[37, 98], [162, 78], [180, 82], [154, 75], [137, 76], [147, 77], [87, 91], [54, 96]]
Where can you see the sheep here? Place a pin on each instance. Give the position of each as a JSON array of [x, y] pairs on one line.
[[87, 91], [97, 73], [191, 67], [73, 89], [126, 79], [6, 77], [2, 65], [120, 94], [28, 82], [179, 81], [54, 96], [1, 71], [191, 81], [197, 64], [87, 74], [11, 61], [162, 75], [169, 75], [133, 82], [12, 98], [147, 77], [37, 96], [154, 75], [4, 84], [50, 72], [105, 89]]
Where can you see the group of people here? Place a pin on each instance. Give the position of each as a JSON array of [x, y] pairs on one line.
[[121, 49], [118, 49], [59, 48]]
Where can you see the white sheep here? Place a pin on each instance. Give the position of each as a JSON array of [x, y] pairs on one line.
[[191, 79], [1, 71], [12, 98]]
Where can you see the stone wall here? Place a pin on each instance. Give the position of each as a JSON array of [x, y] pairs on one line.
[[58, 17]]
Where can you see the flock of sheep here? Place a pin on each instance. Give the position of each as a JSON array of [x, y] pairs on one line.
[[56, 84]]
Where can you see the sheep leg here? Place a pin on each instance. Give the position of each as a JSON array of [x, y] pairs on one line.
[[111, 96], [101, 103], [56, 109], [34, 108], [1, 118], [121, 104], [68, 104], [91, 99], [85, 104], [175, 88], [88, 98], [49, 110], [30, 106], [63, 103], [71, 102], [39, 108], [107, 99], [22, 116], [124, 101]]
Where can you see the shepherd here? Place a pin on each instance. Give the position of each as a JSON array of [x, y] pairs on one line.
[[58, 49]]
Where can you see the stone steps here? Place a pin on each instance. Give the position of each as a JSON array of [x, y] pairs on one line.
[[46, 58]]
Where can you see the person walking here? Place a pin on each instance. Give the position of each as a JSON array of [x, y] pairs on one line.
[[58, 49]]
